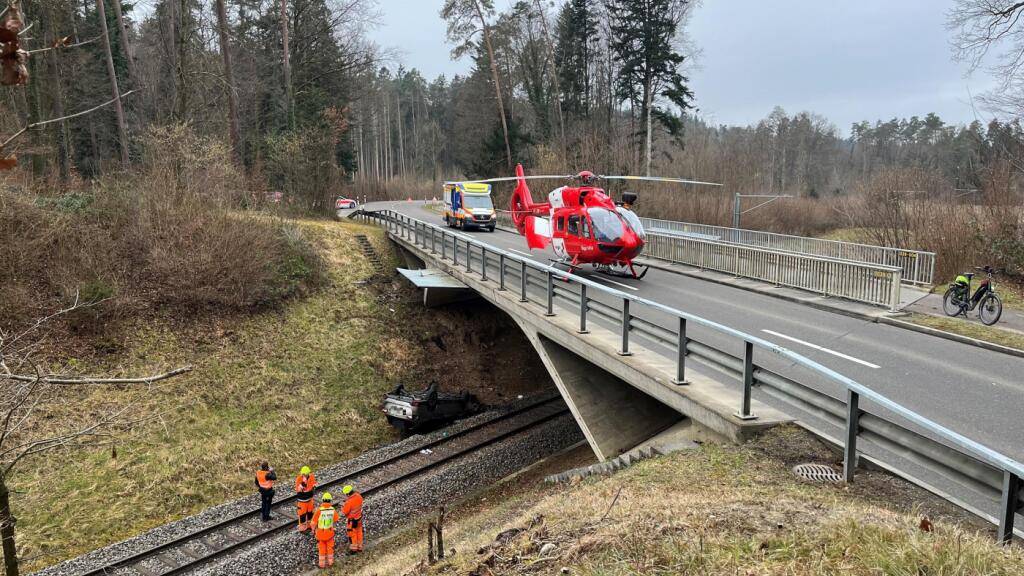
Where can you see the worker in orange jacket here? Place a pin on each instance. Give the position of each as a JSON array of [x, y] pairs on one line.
[[265, 478], [353, 511], [324, 520], [305, 484]]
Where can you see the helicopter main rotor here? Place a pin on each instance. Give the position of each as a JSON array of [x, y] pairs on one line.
[[585, 175]]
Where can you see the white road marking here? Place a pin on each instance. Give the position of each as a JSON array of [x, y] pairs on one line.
[[823, 349], [527, 254], [600, 279]]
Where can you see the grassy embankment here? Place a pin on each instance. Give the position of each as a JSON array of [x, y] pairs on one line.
[[716, 510], [296, 385]]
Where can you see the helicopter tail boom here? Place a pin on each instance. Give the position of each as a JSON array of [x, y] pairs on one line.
[[522, 205]]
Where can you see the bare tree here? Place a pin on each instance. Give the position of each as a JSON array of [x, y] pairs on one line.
[[554, 72], [286, 63], [989, 35], [26, 390], [126, 44], [460, 15], [122, 133], [229, 79]]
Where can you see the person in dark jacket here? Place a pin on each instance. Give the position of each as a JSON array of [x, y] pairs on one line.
[[265, 478]]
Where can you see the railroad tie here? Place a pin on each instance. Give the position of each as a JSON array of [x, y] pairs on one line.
[[231, 533], [190, 553], [163, 559], [144, 571]]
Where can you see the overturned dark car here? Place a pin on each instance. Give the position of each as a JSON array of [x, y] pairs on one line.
[[427, 409]]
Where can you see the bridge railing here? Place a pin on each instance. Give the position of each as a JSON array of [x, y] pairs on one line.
[[874, 284], [869, 283], [861, 414], [917, 266]]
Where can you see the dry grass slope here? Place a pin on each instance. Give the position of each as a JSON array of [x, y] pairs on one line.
[[299, 384], [719, 510]]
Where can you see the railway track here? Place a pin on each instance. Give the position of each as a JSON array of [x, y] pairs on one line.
[[189, 552]]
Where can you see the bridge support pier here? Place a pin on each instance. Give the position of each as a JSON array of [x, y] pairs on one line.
[[412, 261], [615, 417]]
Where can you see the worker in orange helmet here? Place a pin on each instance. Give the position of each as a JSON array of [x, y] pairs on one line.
[[353, 511], [305, 484], [324, 520]]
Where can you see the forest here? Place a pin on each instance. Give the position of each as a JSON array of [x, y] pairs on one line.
[[305, 107], [166, 161]]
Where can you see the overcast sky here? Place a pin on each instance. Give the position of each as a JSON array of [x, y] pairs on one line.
[[848, 60]]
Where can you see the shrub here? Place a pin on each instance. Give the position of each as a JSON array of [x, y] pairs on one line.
[[167, 238]]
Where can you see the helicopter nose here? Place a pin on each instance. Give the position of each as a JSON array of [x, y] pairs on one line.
[[631, 246]]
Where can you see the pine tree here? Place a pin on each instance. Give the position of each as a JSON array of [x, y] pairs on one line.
[[644, 40], [577, 32], [229, 80], [463, 17]]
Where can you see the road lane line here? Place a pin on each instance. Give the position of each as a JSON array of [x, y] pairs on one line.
[[600, 279], [527, 254], [823, 349]]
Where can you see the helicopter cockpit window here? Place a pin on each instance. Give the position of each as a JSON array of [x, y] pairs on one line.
[[633, 220], [574, 225], [606, 224]]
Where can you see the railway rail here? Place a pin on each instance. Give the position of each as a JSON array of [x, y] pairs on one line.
[[196, 549]]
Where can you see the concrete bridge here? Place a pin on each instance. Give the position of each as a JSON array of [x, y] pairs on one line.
[[630, 367]]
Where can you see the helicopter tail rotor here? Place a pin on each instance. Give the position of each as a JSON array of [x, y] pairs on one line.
[[522, 201]]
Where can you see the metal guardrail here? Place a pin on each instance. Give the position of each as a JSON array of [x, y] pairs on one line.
[[505, 219], [863, 414], [918, 267], [870, 283]]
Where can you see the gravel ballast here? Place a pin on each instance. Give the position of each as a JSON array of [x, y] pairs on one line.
[[449, 479], [295, 553]]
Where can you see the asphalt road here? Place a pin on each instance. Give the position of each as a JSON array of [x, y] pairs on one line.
[[973, 391]]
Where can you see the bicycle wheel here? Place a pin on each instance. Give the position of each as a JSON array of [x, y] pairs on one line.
[[990, 309], [951, 302]]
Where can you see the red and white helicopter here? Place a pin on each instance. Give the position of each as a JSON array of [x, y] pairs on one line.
[[583, 224]]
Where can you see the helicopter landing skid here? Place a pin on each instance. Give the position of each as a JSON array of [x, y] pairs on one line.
[[569, 266], [627, 271]]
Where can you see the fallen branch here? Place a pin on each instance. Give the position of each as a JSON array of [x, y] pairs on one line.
[[62, 118], [610, 506], [65, 46], [71, 381]]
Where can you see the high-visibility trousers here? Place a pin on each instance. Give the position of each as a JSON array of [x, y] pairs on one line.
[[355, 534], [325, 547], [304, 511]]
